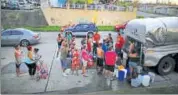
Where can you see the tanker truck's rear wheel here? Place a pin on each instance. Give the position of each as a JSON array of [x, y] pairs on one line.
[[166, 66]]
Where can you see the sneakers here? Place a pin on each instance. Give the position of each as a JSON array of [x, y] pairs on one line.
[[64, 74]]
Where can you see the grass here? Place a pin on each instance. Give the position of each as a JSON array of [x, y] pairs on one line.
[[57, 28]]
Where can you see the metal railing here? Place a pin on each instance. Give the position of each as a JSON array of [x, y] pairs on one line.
[[98, 7]]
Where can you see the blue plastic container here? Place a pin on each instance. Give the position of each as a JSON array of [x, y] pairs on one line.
[[121, 75]]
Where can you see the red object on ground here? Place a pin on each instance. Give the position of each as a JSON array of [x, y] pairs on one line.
[[110, 58]]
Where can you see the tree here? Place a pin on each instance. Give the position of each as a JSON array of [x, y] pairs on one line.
[[135, 3]]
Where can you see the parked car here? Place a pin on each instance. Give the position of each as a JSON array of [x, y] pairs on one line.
[[3, 4], [120, 26], [24, 5], [13, 5], [82, 29], [21, 36]]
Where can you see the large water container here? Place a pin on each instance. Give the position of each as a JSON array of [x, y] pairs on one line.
[[121, 75], [146, 80]]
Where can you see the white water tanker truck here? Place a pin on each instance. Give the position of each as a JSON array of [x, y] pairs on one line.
[[156, 39]]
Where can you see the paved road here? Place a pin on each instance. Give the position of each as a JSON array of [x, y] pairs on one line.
[[56, 83], [148, 15]]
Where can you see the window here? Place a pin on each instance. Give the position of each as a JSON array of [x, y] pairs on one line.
[[6, 33], [85, 26], [78, 27], [15, 32]]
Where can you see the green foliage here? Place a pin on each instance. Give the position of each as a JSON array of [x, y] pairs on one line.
[[140, 17], [125, 4], [57, 28], [78, 1]]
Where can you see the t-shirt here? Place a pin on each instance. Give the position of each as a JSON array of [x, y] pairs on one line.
[[110, 58], [85, 55], [120, 42], [18, 56], [104, 47], [29, 59], [100, 52], [89, 46], [64, 53], [96, 37]]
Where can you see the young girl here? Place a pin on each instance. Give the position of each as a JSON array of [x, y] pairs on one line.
[[59, 42], [85, 59], [18, 58], [75, 61]]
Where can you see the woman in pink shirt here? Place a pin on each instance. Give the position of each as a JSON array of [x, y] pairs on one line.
[[85, 59], [110, 60]]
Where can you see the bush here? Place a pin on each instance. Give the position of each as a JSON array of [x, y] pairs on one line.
[[57, 28]]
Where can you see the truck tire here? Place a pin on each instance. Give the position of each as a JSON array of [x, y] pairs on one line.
[[176, 67], [166, 66]]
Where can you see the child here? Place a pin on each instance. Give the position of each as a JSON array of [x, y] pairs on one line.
[[75, 61], [85, 58], [18, 57], [36, 56]]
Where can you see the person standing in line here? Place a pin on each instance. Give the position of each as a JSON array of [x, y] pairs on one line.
[[85, 59], [110, 60], [104, 46], [100, 57], [69, 38], [96, 38], [30, 62], [63, 56], [59, 42], [119, 44], [89, 45], [75, 61], [18, 59]]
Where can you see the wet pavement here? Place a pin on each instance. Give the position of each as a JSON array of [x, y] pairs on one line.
[[72, 84]]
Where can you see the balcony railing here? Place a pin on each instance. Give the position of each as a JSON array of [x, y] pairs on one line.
[[98, 7]]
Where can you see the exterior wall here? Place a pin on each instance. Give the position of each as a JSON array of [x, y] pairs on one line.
[[23, 18], [56, 16]]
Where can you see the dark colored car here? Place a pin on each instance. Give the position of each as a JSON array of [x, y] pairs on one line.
[[82, 29]]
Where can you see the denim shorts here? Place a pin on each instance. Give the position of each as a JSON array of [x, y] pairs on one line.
[[64, 63], [133, 65]]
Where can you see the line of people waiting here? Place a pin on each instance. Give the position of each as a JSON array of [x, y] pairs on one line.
[[91, 50]]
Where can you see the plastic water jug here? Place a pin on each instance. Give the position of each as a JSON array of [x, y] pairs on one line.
[[135, 82], [146, 80], [125, 72], [152, 76]]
